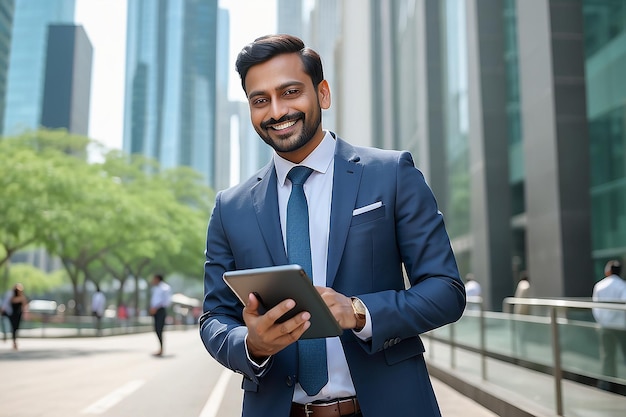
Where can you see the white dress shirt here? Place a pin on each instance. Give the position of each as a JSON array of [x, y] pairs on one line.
[[473, 289], [161, 295], [611, 288], [318, 190], [98, 302]]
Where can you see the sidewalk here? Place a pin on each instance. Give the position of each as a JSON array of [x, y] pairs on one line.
[[508, 390], [454, 404], [451, 402]]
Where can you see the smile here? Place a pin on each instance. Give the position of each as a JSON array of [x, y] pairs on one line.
[[285, 125]]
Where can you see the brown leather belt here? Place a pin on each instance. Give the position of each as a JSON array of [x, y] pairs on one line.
[[336, 408]]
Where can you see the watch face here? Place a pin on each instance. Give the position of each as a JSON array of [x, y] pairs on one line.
[[359, 308]]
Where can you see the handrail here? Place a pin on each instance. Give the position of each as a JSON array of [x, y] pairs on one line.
[[555, 304], [565, 302], [477, 300], [554, 307]]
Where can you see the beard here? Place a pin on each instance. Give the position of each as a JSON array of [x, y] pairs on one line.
[[292, 141]]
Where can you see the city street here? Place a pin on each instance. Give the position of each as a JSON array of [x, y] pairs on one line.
[[117, 376]]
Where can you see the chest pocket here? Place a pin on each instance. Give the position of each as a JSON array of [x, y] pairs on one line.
[[368, 216]]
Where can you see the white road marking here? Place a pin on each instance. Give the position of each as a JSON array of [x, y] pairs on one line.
[[113, 398], [212, 405]]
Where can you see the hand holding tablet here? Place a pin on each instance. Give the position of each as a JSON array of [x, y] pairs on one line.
[[271, 285]]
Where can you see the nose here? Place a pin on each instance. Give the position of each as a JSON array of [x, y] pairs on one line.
[[278, 108]]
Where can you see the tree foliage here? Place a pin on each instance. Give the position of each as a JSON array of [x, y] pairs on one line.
[[121, 218]]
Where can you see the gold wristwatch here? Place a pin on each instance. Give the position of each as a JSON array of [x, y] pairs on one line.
[[359, 313]]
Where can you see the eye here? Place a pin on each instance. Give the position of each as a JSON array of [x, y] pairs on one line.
[[291, 92], [259, 101]]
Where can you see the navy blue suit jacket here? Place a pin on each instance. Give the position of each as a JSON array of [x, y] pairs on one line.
[[366, 256]]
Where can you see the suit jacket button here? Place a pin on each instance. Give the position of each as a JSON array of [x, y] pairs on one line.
[[290, 380], [398, 340], [386, 344]]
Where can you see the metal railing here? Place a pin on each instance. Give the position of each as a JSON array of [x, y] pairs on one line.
[[553, 315], [61, 325]]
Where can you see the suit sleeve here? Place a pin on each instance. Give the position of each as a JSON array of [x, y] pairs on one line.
[[436, 294], [222, 328]]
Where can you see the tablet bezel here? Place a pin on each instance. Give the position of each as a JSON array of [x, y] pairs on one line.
[[276, 283]]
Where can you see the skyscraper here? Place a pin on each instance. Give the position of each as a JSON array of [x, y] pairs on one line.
[[27, 63], [67, 84], [170, 89], [7, 9]]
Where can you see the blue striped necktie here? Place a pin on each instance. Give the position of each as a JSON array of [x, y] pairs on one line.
[[312, 368]]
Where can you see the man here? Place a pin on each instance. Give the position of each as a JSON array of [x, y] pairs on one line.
[[472, 289], [612, 288], [371, 216], [522, 291], [98, 304], [159, 301], [5, 311]]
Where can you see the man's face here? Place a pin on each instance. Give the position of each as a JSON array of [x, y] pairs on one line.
[[285, 108]]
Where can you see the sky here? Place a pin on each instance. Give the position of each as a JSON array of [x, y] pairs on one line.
[[104, 22]]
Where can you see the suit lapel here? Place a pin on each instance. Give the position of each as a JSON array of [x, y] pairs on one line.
[[346, 181], [265, 200]]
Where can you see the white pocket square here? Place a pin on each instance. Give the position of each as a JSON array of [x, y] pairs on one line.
[[367, 208]]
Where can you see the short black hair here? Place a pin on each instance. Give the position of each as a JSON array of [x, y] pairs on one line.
[[269, 46], [613, 266]]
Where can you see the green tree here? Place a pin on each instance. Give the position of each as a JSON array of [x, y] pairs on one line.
[[169, 230], [121, 218], [34, 187], [35, 280]]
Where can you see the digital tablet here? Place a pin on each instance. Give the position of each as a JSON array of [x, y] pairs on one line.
[[271, 285]]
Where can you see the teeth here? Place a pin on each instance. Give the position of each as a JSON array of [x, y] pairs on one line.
[[284, 125]]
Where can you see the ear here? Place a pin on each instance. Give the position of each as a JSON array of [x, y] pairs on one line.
[[323, 94]]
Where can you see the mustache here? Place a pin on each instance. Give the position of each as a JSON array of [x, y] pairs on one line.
[[285, 118]]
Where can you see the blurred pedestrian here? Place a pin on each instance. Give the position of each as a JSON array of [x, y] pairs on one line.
[[612, 288], [472, 289], [122, 314], [160, 300], [523, 326], [13, 306], [5, 311], [522, 291], [98, 304]]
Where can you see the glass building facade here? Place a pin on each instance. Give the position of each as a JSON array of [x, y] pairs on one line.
[[515, 113], [27, 63], [170, 91], [7, 9], [605, 66]]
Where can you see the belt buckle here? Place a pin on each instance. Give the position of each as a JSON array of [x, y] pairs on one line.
[[307, 411]]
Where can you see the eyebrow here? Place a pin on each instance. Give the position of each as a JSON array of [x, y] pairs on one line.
[[282, 86]]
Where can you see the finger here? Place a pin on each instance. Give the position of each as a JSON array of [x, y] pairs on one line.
[[280, 310], [290, 334]]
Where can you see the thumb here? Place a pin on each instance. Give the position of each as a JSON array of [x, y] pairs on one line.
[[253, 303]]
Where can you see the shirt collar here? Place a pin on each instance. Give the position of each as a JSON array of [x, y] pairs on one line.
[[319, 160]]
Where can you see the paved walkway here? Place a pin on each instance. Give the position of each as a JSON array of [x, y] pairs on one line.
[[451, 402], [454, 404], [508, 390]]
